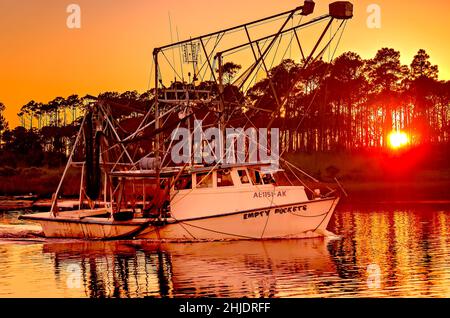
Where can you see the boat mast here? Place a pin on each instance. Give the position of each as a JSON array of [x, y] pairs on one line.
[[53, 209], [157, 126], [222, 122]]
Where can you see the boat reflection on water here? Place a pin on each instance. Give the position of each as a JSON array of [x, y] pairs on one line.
[[219, 269]]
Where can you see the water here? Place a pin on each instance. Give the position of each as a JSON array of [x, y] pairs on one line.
[[384, 251]]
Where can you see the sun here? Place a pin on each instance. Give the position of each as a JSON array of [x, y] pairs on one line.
[[398, 139]]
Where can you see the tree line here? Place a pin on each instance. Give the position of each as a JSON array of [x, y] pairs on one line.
[[346, 104], [353, 103], [48, 130]]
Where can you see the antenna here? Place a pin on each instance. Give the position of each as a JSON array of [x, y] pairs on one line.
[[171, 39], [191, 54], [181, 62]]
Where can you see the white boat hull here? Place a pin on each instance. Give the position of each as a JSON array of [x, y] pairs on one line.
[[84, 225], [290, 221], [307, 219]]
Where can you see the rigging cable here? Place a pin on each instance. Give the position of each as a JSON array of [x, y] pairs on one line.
[[317, 91]]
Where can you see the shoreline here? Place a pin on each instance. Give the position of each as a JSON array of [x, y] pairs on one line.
[[395, 192]]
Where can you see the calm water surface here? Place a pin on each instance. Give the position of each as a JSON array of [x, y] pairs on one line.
[[383, 251]]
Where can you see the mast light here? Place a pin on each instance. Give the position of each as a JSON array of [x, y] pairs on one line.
[[342, 10], [308, 7]]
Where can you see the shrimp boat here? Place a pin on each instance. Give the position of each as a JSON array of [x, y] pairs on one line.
[[245, 208], [131, 187]]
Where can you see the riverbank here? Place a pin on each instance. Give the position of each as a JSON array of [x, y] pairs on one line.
[[41, 182], [402, 191], [419, 174]]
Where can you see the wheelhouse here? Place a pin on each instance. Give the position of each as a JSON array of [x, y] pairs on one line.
[[141, 191]]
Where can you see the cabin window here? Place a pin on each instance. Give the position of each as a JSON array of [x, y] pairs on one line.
[[256, 177], [244, 176], [269, 179], [184, 183], [204, 180], [224, 179]]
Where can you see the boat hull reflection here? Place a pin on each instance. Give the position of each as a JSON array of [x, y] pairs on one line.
[[216, 269]]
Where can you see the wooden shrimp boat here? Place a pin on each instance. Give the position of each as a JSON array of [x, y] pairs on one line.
[[247, 207], [133, 194]]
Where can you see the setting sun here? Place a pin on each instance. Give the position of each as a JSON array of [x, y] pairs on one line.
[[398, 139]]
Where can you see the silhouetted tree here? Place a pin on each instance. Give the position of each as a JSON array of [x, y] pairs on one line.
[[230, 70], [25, 145], [385, 74], [3, 122], [423, 85]]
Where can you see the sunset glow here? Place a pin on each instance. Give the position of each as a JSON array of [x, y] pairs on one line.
[[398, 139]]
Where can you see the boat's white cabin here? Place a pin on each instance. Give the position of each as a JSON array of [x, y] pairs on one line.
[[201, 191], [222, 191]]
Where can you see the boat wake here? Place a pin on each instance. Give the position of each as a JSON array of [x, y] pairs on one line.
[[20, 231], [329, 235], [316, 234]]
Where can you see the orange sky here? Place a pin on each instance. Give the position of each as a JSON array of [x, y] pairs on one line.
[[40, 58]]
